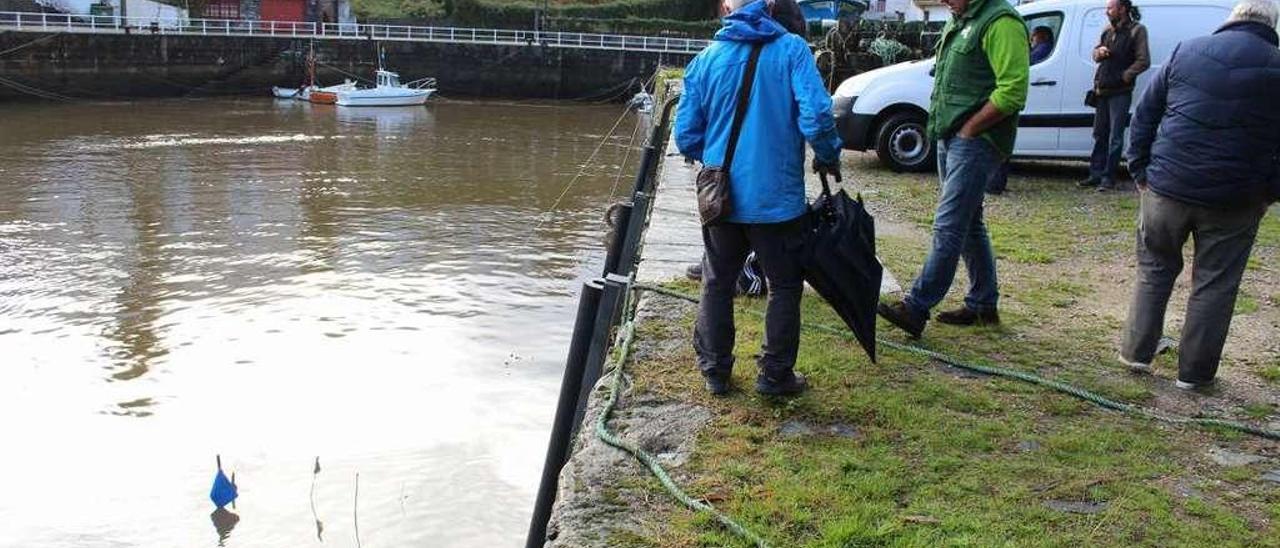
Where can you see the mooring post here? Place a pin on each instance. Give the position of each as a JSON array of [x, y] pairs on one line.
[[621, 233], [611, 299], [647, 159], [635, 231], [567, 407]]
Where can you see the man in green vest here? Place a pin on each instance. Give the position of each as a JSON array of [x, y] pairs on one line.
[[980, 85]]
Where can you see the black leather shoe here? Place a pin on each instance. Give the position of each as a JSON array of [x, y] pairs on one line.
[[694, 272], [1106, 187], [1089, 183], [899, 315], [966, 316], [717, 385], [773, 387]]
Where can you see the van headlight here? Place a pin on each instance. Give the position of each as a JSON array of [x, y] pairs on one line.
[[842, 105]]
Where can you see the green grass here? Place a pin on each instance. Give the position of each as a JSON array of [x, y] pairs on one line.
[[665, 75], [936, 460], [1259, 410], [1271, 374], [943, 458], [1245, 304]]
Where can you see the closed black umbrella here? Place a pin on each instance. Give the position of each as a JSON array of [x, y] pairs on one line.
[[841, 263]]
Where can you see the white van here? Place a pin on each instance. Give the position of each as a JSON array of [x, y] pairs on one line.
[[886, 109]]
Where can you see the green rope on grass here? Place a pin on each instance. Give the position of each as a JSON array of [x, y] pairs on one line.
[[1020, 375], [628, 332]]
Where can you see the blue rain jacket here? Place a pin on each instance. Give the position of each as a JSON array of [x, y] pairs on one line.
[[788, 106]]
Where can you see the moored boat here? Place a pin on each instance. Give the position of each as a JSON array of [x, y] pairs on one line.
[[389, 92], [322, 97], [284, 93]]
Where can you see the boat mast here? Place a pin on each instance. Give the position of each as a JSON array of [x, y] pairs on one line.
[[311, 65]]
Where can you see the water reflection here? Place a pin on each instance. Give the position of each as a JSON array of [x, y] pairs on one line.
[[138, 300], [224, 521], [388, 120], [277, 281]]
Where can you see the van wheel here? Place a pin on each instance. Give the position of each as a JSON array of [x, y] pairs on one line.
[[902, 143]]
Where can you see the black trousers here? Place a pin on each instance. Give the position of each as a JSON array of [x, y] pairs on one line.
[[779, 246]]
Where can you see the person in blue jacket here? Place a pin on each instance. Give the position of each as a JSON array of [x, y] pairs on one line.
[[1041, 44], [1204, 150], [788, 106]]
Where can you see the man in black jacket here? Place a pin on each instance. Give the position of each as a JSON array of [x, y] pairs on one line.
[[1203, 151], [1122, 55]]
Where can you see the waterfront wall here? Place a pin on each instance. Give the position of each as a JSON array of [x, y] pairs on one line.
[[87, 66]]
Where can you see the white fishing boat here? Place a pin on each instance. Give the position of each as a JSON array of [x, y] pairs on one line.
[[389, 92], [284, 93]]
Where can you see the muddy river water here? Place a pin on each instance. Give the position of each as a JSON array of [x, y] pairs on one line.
[[278, 283]]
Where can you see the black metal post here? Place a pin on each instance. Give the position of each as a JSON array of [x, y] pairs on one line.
[[564, 425], [648, 158], [621, 226], [635, 230], [611, 299]]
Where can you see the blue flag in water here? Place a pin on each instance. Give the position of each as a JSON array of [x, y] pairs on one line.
[[223, 492]]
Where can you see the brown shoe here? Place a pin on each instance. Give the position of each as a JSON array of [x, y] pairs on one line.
[[899, 315], [967, 316]]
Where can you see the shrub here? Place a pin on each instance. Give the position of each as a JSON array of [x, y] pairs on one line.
[[399, 9]]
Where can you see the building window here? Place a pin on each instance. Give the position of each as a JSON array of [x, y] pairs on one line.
[[222, 9]]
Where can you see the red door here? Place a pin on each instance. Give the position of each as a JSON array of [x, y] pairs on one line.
[[282, 10]]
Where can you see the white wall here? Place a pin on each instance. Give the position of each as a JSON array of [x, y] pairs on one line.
[[911, 11], [136, 8]]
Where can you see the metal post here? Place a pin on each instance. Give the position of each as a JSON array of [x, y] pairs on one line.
[[635, 229], [611, 299], [620, 234], [563, 427], [648, 157]]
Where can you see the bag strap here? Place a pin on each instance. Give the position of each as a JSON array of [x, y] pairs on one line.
[[744, 98]]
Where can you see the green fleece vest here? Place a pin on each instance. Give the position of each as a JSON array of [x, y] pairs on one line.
[[963, 79]]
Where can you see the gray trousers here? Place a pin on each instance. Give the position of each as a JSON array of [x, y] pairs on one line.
[[1223, 241]]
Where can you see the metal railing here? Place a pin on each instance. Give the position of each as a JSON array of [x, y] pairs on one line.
[[114, 24]]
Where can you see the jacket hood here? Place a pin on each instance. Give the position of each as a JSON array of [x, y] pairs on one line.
[[751, 24], [1258, 29]]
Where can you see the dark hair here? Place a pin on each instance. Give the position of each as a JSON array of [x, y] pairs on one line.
[[787, 12], [1048, 32], [1128, 6]]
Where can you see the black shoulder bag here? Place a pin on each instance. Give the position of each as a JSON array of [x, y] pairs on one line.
[[714, 203]]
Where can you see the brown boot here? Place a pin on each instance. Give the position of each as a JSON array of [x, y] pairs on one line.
[[967, 316], [900, 316]]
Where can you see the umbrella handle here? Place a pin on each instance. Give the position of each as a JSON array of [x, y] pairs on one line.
[[826, 187]]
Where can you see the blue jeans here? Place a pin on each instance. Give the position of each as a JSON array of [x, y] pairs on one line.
[[965, 166], [1109, 122]]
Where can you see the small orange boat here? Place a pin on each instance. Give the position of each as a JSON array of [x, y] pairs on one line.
[[323, 97]]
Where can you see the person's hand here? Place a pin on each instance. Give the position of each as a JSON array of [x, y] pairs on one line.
[[1101, 52], [831, 169]]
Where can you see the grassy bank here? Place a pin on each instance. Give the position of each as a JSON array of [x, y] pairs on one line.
[[908, 452]]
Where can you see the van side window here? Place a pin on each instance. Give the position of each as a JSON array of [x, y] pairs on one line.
[[1043, 30]]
